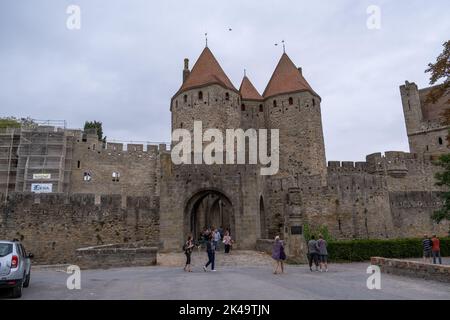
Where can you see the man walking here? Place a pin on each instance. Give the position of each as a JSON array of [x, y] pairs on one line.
[[211, 251], [436, 249], [427, 245], [313, 253]]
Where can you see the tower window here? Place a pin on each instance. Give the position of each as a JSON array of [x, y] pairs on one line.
[[176, 103], [185, 98], [427, 148], [78, 164], [314, 102], [181, 125], [291, 101], [200, 95], [242, 107], [87, 176], [227, 96], [260, 108], [440, 140], [275, 103]]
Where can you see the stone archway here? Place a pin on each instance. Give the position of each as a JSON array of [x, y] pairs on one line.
[[208, 208]]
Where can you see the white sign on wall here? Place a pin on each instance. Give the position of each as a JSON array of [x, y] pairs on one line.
[[41, 176], [41, 187]]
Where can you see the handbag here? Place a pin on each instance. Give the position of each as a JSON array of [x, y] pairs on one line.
[[282, 253]]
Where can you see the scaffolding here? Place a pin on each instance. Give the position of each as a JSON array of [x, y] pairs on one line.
[[44, 157], [9, 143]]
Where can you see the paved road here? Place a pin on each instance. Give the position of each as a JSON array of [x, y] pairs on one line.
[[343, 281]]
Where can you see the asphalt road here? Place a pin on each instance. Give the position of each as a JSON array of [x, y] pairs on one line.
[[343, 281]]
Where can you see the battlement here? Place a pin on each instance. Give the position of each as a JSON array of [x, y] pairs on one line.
[[346, 166], [393, 163], [134, 147], [126, 149]]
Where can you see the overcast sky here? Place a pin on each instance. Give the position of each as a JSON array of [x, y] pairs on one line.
[[125, 63]]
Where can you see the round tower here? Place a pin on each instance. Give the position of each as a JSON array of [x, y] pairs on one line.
[[293, 107]]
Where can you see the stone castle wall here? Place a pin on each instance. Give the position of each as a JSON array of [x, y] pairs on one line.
[[138, 166], [53, 226]]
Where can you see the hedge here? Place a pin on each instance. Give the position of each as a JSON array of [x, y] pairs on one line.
[[363, 250]]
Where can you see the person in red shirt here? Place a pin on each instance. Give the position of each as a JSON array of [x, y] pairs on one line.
[[436, 249]]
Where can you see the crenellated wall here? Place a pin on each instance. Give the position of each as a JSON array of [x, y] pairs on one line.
[[138, 167], [53, 226]]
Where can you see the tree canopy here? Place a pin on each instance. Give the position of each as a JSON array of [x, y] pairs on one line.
[[97, 125], [438, 71]]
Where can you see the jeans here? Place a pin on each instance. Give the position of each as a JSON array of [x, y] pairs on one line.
[[438, 255], [313, 257], [211, 258]]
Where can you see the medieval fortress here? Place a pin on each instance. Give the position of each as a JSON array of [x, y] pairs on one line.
[[61, 189]]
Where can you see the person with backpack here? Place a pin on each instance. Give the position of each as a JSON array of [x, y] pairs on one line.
[[187, 248], [278, 255], [323, 253]]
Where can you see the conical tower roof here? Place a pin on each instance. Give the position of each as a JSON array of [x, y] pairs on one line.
[[248, 90], [206, 71], [286, 79]]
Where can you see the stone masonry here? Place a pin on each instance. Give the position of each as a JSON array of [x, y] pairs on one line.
[[113, 193]]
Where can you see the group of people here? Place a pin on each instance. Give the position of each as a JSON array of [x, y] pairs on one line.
[[317, 254], [431, 249], [211, 239]]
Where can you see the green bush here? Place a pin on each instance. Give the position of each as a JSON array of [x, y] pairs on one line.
[[309, 231], [363, 250]]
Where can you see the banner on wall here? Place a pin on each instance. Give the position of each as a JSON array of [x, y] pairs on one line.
[[41, 187], [41, 176]]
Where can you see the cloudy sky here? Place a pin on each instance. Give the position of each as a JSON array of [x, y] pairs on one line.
[[125, 63]]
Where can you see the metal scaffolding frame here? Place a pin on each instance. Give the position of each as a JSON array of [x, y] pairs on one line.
[[9, 143], [44, 155]]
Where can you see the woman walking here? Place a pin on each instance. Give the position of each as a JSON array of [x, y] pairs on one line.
[[323, 253], [278, 255], [227, 241], [211, 251], [188, 246]]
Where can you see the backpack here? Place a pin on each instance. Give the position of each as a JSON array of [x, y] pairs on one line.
[[185, 246]]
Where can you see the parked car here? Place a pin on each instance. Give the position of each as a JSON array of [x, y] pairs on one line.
[[15, 267]]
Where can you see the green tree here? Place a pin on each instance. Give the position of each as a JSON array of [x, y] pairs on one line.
[[440, 70], [13, 122], [443, 179], [9, 122], [97, 125]]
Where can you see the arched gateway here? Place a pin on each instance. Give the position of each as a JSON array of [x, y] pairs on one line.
[[208, 208]]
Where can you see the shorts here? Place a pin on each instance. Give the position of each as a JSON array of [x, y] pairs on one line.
[[427, 253], [323, 258]]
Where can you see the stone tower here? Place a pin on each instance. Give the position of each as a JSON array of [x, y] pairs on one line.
[[252, 106], [427, 133], [411, 107], [206, 95], [293, 107]]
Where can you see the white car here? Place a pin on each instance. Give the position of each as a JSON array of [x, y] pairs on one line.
[[15, 267]]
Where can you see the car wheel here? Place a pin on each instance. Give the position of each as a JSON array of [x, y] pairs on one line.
[[26, 283], [17, 291]]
